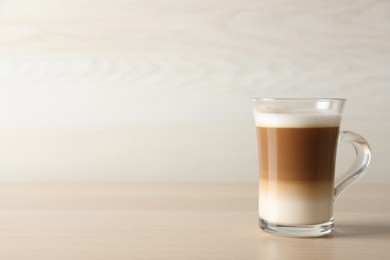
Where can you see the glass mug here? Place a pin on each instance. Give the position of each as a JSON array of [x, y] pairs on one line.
[[297, 141]]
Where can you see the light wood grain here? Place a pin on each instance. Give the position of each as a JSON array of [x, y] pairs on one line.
[[176, 221], [183, 68]]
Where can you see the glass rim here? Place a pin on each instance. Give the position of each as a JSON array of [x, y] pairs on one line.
[[308, 99]]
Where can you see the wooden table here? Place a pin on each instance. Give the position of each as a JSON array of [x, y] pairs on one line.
[[176, 221]]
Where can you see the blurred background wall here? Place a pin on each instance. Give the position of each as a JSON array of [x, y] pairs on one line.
[[156, 90]]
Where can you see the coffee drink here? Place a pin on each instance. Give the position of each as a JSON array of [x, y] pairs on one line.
[[297, 140], [297, 155]]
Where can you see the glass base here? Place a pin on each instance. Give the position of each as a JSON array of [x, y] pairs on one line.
[[297, 231]]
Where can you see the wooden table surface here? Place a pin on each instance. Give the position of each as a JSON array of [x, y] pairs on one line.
[[176, 221]]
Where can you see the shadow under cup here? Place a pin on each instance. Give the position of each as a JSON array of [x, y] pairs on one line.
[[297, 144]]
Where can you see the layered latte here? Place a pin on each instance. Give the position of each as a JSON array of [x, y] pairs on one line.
[[297, 155]]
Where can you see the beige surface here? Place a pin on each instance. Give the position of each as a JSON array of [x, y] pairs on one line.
[[96, 89], [176, 221]]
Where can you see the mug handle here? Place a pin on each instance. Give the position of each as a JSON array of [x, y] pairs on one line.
[[359, 167]]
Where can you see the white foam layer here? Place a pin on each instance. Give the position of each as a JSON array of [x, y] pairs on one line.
[[296, 120]]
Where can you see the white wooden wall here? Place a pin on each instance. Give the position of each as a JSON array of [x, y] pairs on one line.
[[160, 89]]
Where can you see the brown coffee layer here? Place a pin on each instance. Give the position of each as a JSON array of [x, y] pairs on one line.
[[297, 154]]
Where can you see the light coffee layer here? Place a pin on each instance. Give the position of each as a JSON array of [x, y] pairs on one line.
[[297, 190]]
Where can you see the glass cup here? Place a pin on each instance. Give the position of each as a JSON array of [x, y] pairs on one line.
[[297, 143]]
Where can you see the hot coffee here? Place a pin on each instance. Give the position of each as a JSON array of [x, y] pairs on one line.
[[297, 156]]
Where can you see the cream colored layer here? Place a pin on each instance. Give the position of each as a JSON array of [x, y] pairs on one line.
[[296, 204]]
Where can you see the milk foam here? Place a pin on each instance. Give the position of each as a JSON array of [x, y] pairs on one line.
[[296, 120]]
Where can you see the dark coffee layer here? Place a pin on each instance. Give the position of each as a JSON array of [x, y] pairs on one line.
[[297, 154]]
